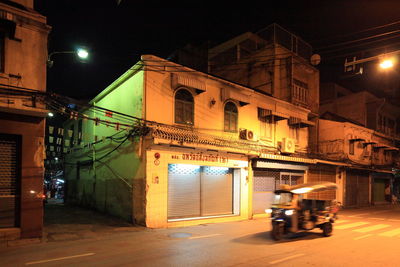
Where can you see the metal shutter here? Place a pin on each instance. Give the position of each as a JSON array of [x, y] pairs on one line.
[[263, 187], [183, 191], [363, 189], [264, 181], [379, 190], [351, 190], [322, 174], [8, 181], [195, 191], [216, 191], [357, 188]]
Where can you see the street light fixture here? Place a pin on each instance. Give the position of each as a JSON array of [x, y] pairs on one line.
[[81, 53], [386, 64]]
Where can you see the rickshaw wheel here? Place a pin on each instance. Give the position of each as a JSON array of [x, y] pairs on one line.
[[327, 229], [277, 231]]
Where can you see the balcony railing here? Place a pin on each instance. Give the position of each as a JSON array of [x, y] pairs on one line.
[[300, 96], [276, 34]]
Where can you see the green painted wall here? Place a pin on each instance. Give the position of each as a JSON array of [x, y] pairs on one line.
[[109, 183]]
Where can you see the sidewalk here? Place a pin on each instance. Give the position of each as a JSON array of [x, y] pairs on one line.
[[65, 222]]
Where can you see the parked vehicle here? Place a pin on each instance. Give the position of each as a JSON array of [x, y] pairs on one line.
[[291, 213]]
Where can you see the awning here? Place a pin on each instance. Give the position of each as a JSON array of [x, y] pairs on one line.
[[369, 143], [356, 139], [184, 80], [391, 148], [381, 146], [287, 158], [278, 165], [270, 114], [294, 121]]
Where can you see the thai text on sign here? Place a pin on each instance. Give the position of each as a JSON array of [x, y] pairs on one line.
[[202, 157]]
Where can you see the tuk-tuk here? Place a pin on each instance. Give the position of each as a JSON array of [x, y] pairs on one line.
[[291, 213]]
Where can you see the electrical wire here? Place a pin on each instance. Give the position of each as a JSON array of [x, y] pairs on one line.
[[361, 39], [357, 32]]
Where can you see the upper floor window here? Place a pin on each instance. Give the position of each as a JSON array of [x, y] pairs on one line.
[[300, 92], [230, 117], [294, 133], [386, 125], [351, 148], [265, 127], [184, 107]]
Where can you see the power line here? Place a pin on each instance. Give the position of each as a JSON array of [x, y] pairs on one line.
[[366, 38], [357, 32]]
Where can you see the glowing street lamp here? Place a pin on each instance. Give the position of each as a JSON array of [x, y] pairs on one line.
[[386, 64], [81, 53]]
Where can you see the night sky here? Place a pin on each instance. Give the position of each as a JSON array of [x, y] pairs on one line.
[[117, 34]]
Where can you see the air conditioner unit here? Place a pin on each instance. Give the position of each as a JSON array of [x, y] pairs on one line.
[[246, 134], [288, 145]]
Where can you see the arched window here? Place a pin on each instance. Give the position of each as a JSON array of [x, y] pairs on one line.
[[230, 117], [184, 107]]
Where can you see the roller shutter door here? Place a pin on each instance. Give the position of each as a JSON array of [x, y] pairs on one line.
[[197, 191], [357, 188], [216, 191], [266, 181], [183, 191], [263, 189], [9, 181], [322, 174]]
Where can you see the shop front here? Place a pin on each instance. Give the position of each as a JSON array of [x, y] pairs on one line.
[[382, 184], [357, 188], [185, 187], [268, 175], [322, 173], [9, 180]]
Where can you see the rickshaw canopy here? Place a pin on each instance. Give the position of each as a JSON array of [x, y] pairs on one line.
[[312, 187], [308, 187]]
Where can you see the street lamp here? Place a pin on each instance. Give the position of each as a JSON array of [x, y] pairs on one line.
[[386, 64], [81, 53]]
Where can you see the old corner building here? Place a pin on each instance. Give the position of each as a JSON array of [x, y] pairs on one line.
[[166, 145], [23, 50]]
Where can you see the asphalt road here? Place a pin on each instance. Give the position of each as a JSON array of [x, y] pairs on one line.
[[362, 237]]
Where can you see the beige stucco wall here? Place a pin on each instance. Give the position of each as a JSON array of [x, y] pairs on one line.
[[210, 118], [334, 143]]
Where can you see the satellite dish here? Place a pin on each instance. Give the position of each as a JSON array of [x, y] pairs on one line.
[[315, 59]]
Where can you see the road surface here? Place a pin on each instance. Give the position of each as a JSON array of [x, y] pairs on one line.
[[361, 237]]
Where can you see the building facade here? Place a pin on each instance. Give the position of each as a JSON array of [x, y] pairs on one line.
[[188, 155], [23, 48], [359, 129], [166, 145]]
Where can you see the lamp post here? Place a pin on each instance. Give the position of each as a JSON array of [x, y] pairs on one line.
[[387, 61], [81, 53]]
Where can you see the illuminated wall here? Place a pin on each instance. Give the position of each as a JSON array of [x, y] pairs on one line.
[[110, 183], [209, 106]]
